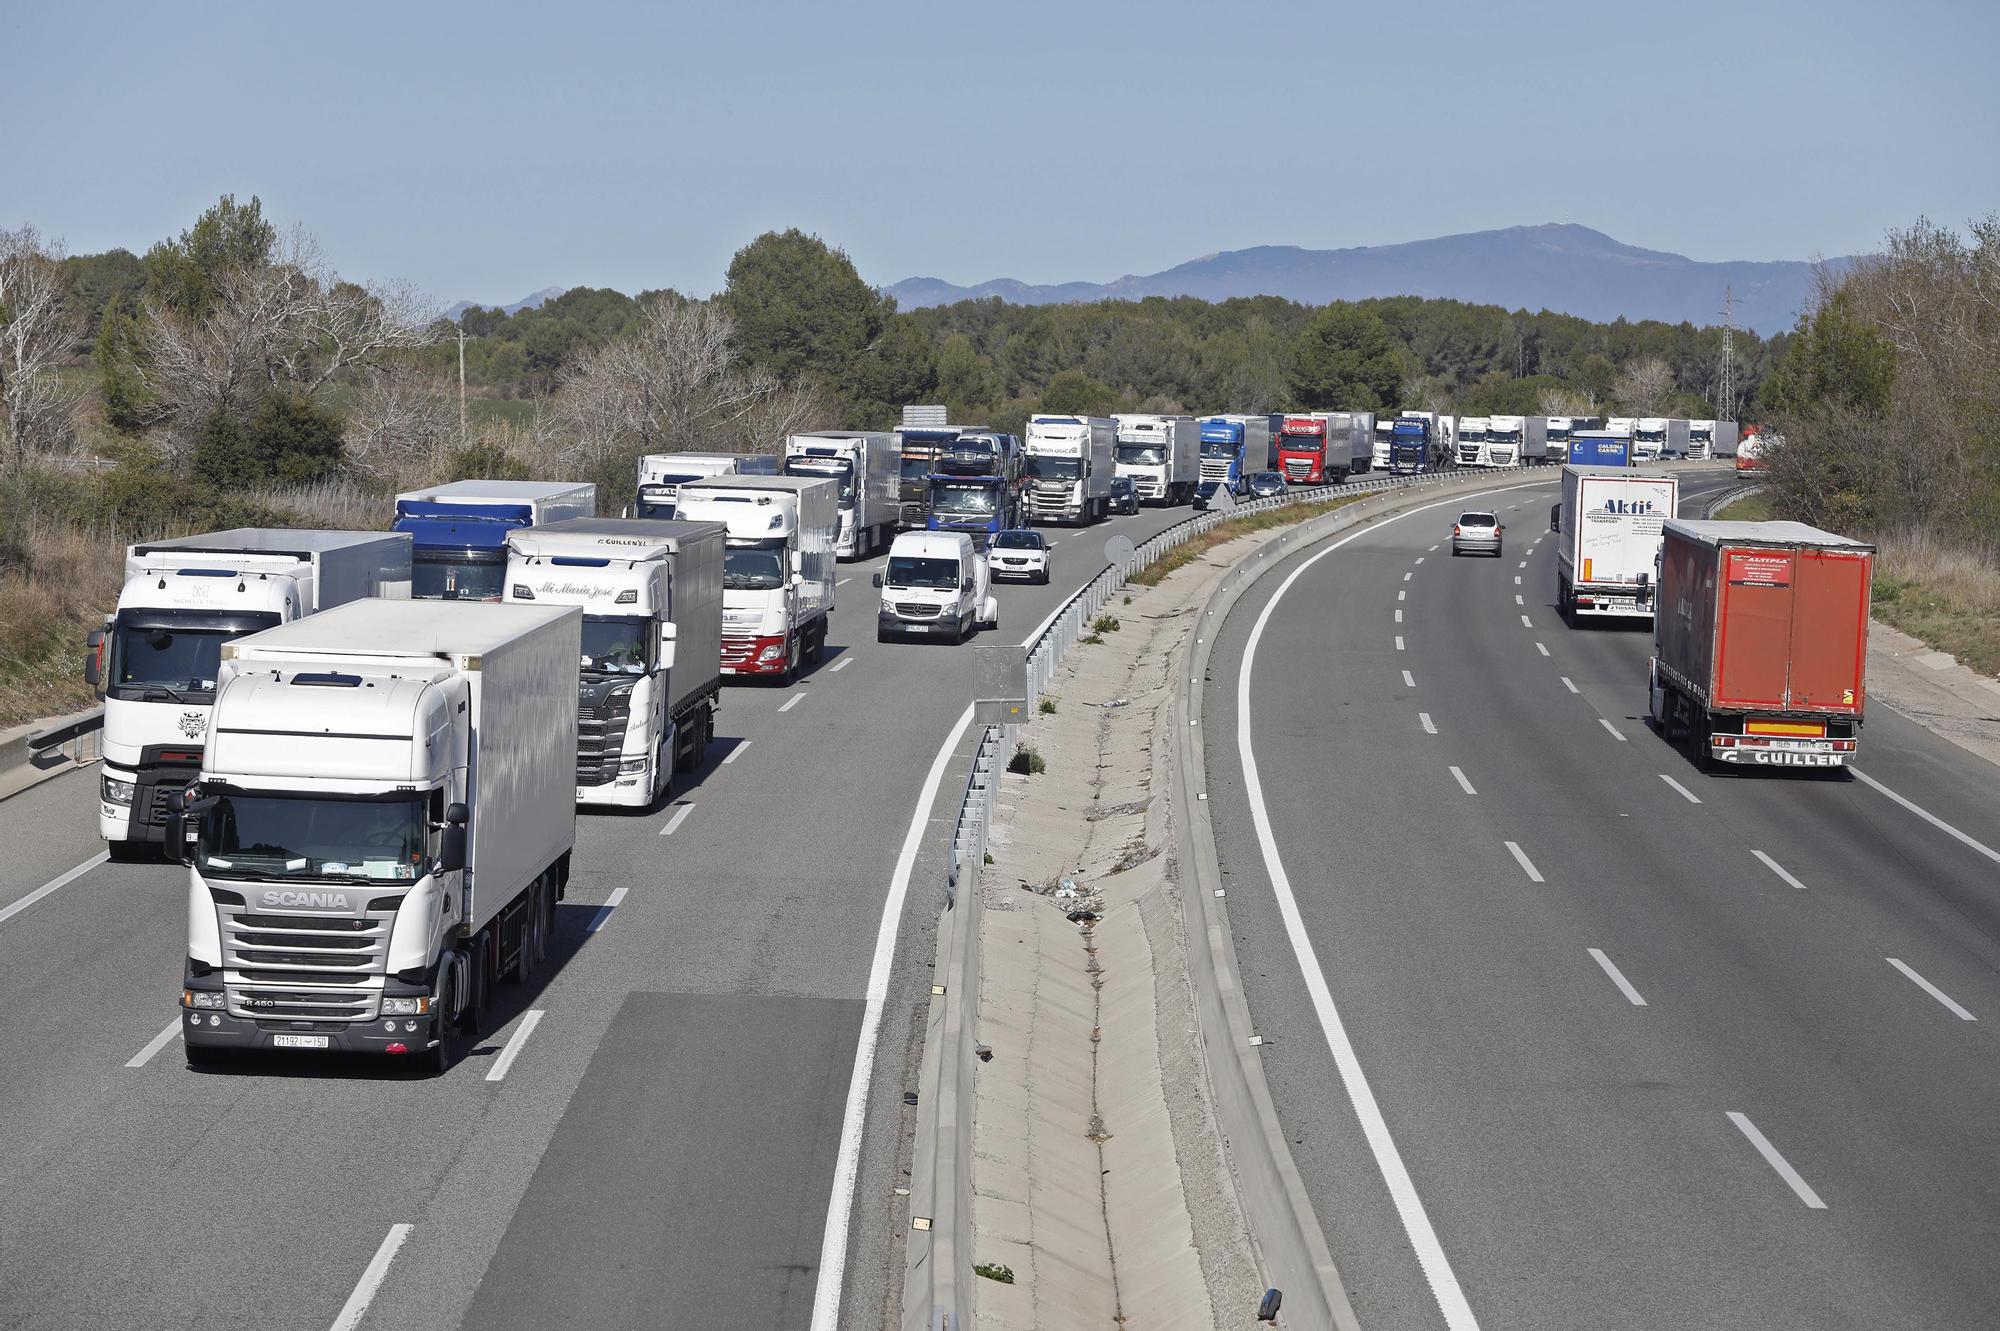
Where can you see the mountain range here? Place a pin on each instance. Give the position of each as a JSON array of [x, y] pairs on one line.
[[531, 302], [1557, 266]]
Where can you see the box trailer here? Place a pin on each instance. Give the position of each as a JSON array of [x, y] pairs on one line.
[[1610, 520], [866, 466], [778, 574], [460, 530]]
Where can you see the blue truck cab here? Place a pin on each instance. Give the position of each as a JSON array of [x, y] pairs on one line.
[[1411, 448], [975, 486], [1222, 460], [458, 532]]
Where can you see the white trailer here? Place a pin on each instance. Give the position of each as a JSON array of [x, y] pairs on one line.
[[382, 827], [1069, 463], [1610, 522], [155, 661], [778, 575], [661, 476], [866, 465], [1162, 455], [651, 678], [1506, 441]]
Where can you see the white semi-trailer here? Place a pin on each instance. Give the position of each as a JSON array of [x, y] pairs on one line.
[[1162, 455], [651, 661], [777, 567], [661, 476], [1506, 441], [156, 659], [1069, 463], [381, 829], [1610, 523], [866, 466], [1384, 440]]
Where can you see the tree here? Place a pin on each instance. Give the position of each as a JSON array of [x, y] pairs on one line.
[[128, 407], [1837, 358], [1644, 386], [800, 307], [964, 377], [186, 275], [900, 367], [287, 440], [1074, 393], [37, 326], [1346, 358]]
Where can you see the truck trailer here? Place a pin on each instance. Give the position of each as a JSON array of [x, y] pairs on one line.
[[381, 829], [155, 662], [777, 569], [651, 660], [1070, 464], [460, 531], [1325, 447], [1600, 448], [1162, 455], [1610, 521], [865, 466], [1760, 649]]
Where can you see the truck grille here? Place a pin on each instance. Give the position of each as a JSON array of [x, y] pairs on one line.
[[1215, 469], [1297, 469], [1053, 505], [918, 610], [601, 719], [304, 967]]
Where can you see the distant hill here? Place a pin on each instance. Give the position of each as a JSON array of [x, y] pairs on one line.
[[525, 303], [1557, 266]]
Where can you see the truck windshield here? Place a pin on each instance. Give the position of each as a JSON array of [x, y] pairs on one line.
[[1303, 443], [1218, 448], [458, 575], [916, 466], [1143, 455], [750, 569], [309, 836], [1052, 469], [615, 645], [839, 469], [164, 657], [911, 571], [969, 500]]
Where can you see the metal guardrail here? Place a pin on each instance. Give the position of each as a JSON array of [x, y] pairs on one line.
[[79, 735]]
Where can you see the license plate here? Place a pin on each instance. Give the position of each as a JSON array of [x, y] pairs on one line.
[[301, 1041]]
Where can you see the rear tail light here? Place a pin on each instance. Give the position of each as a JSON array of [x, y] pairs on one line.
[[1454, 529]]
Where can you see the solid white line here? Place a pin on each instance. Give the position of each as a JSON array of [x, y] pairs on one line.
[[604, 911], [1463, 784], [1686, 794], [529, 1020], [1527, 623], [357, 1303], [736, 752], [1613, 729], [847, 1160], [1527, 865], [155, 1045], [1917, 809], [53, 883], [674, 822], [792, 702], [1399, 642], [1570, 686], [1409, 1207], [1931, 989], [1399, 616], [1409, 681], [1776, 1161], [1429, 727], [1542, 648], [1778, 869], [1618, 978], [841, 665]]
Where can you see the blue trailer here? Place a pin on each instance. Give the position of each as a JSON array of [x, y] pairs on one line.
[[1600, 448], [458, 532]]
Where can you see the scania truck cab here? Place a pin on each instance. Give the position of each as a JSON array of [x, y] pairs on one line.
[[460, 531], [1232, 446], [1070, 464], [865, 466]]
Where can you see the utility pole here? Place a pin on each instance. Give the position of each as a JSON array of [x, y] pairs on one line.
[[461, 382], [1726, 391]]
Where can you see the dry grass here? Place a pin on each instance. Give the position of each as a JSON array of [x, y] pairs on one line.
[[60, 580], [1947, 596], [1188, 551], [1750, 508]]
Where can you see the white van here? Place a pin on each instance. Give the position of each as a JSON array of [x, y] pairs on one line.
[[936, 585]]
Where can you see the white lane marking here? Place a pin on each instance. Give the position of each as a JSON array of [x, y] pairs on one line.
[[736, 752], [1931, 989], [1921, 812], [1423, 1238], [1527, 865], [680, 816], [1618, 978], [1435, 546], [1399, 642], [841, 665], [1776, 1161], [604, 911], [1778, 869], [1409, 681], [1614, 731], [1542, 647], [1430, 727], [1524, 563], [1401, 595], [1420, 558], [155, 1045], [1569, 685], [529, 1020], [1517, 579], [1527, 623], [1519, 601], [1399, 616], [842, 582], [1686, 794], [792, 702], [357, 1303], [1408, 576], [1463, 784], [53, 884], [847, 1160]]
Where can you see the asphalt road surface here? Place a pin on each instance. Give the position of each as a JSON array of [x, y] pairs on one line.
[[1564, 1032]]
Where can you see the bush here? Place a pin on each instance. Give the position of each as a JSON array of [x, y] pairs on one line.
[[285, 441], [1104, 624], [1026, 762], [1047, 707], [995, 1271]]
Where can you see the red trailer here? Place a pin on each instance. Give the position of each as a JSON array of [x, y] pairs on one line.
[[1760, 642]]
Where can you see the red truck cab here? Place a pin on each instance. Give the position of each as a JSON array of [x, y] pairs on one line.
[[1302, 450]]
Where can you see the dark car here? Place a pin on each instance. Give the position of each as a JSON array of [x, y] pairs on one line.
[[1124, 495], [1264, 484]]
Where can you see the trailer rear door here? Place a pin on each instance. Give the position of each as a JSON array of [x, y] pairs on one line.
[[1829, 645], [1754, 645]]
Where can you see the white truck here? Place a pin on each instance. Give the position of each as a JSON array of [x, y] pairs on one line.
[[1162, 455], [1069, 464], [460, 531], [381, 829], [1649, 439], [1701, 440], [777, 567], [155, 661], [935, 584], [1470, 450], [866, 465], [1385, 428], [1506, 441], [661, 476], [651, 660], [1610, 522]]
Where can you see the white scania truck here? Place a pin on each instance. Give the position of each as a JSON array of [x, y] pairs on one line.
[[1069, 466], [866, 465], [155, 660], [651, 594], [1162, 455], [381, 829], [1611, 520], [777, 567]]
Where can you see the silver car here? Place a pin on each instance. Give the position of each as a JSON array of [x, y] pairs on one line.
[[1478, 532]]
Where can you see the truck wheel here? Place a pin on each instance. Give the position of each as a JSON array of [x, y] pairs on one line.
[[127, 852], [791, 671], [439, 1060]]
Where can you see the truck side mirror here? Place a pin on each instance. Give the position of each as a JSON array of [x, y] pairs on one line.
[[456, 814], [93, 670], [664, 648], [451, 848], [877, 579]]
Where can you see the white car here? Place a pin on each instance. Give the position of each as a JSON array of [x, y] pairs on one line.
[[1020, 553]]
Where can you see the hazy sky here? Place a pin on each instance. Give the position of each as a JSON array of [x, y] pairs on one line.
[[487, 150]]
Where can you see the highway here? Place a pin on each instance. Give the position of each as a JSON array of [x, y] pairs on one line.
[[1564, 1032], [651, 1135]]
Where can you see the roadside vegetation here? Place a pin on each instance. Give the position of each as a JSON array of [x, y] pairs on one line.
[[1187, 552]]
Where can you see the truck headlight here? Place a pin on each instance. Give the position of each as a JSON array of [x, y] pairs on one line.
[[633, 765], [405, 1007], [204, 998], [772, 653], [118, 792]]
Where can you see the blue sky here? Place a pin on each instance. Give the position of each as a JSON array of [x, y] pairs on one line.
[[487, 150]]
